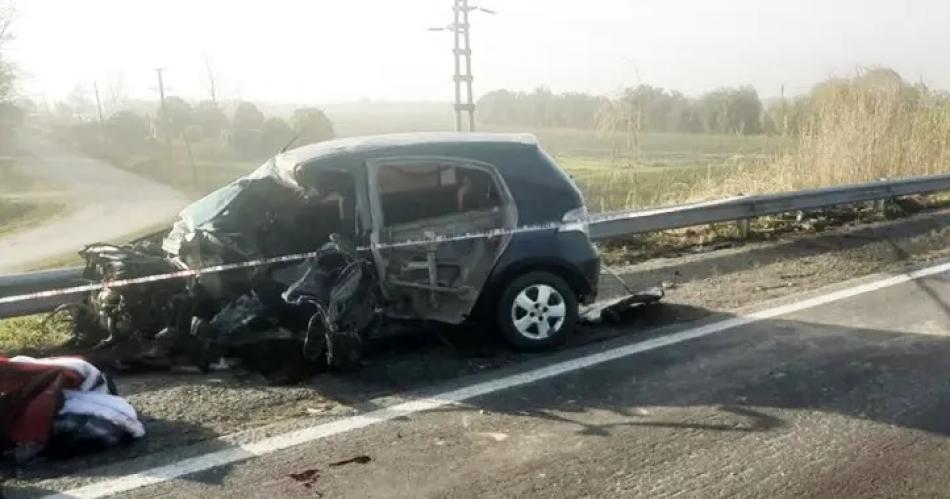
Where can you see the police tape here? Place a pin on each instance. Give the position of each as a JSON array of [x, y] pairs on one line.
[[428, 239]]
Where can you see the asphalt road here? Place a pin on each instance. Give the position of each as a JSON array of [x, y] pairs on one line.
[[844, 398], [104, 203]]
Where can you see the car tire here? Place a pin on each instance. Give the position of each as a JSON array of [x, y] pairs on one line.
[[536, 311]]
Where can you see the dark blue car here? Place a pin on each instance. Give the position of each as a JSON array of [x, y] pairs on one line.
[[461, 227]]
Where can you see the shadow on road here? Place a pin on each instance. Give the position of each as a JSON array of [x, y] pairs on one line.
[[732, 381], [738, 381], [116, 461]]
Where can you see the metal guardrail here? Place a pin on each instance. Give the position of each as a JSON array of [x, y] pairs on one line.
[[31, 282], [612, 225], [602, 226]]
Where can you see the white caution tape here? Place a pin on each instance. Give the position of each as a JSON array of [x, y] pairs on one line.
[[186, 273]]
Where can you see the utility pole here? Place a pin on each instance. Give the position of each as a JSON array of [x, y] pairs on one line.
[[161, 93], [214, 97], [462, 52], [95, 87]]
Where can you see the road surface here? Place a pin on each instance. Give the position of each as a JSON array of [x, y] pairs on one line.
[[104, 203], [839, 394]]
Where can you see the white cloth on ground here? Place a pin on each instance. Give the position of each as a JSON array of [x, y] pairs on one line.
[[110, 407], [93, 380]]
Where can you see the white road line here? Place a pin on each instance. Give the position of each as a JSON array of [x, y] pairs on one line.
[[279, 442]]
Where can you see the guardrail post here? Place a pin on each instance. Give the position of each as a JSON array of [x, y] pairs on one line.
[[880, 205], [742, 225]]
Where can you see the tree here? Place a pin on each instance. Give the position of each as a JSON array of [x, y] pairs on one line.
[[247, 117], [246, 128], [745, 111], [685, 118], [209, 117], [11, 119], [275, 134], [651, 107], [180, 115], [79, 102], [126, 129], [7, 75], [313, 125], [579, 110], [499, 107], [732, 111], [540, 108], [116, 91]]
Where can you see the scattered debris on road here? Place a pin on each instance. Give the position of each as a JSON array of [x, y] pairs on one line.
[[362, 459], [307, 478], [615, 309]]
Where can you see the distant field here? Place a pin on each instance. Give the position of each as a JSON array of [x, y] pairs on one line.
[[18, 210], [609, 188], [668, 168], [654, 146]]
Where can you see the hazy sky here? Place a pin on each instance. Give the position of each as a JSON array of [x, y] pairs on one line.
[[322, 51]]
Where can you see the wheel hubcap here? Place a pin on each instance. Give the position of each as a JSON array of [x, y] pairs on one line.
[[538, 311]]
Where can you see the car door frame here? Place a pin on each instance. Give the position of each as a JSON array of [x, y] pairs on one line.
[[507, 205]]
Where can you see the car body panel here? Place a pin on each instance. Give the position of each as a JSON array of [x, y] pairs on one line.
[[441, 280]]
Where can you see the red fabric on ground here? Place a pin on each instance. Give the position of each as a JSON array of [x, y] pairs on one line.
[[30, 397]]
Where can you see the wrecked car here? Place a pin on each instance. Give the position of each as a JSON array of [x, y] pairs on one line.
[[441, 227]]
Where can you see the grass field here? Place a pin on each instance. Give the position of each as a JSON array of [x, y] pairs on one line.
[[669, 168], [16, 215], [18, 209], [21, 335], [853, 133], [608, 188]]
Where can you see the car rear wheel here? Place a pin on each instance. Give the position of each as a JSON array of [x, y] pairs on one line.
[[536, 311]]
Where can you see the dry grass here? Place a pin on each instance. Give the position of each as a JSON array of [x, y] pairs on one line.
[[860, 131], [18, 214], [870, 127], [614, 189]]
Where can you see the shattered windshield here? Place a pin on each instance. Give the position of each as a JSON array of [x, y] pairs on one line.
[[207, 208], [217, 202]]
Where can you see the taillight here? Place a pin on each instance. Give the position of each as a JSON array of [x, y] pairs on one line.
[[575, 221]]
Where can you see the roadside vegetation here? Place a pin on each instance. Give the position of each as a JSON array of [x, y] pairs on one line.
[[644, 147], [17, 215], [23, 335], [872, 126], [17, 209]]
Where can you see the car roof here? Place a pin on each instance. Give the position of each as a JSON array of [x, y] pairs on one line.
[[393, 142]]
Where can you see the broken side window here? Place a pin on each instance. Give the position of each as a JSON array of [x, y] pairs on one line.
[[330, 207], [409, 193]]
